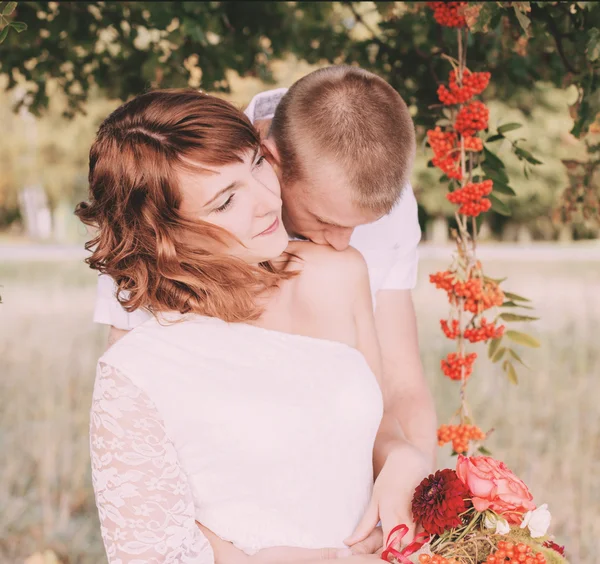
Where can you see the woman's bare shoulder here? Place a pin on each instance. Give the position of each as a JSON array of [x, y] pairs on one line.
[[326, 269]]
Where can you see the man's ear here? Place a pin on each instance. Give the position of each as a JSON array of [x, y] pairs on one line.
[[270, 151]]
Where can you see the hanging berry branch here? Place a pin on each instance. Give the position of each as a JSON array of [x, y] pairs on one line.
[[475, 177]]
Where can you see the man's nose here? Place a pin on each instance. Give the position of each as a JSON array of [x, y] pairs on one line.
[[339, 238]]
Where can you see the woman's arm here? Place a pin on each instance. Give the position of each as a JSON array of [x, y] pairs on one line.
[[143, 496]]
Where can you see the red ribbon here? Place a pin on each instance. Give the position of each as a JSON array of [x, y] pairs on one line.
[[394, 543]]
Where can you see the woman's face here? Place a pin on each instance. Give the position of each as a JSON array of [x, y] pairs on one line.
[[243, 198]]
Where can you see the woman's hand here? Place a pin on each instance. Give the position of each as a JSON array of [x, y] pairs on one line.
[[404, 469], [226, 553]]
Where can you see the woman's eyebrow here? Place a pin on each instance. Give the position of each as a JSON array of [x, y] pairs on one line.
[[233, 185]]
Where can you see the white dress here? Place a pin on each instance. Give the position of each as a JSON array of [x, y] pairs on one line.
[[264, 437]]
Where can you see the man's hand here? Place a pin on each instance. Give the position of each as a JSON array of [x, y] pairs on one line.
[[373, 544], [403, 471]]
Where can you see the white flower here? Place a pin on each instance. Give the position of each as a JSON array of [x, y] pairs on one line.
[[537, 520], [495, 521]]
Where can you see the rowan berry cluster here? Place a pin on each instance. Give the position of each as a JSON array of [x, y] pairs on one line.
[[455, 363], [473, 209], [459, 435], [478, 295], [448, 13], [484, 332], [471, 192], [472, 143], [471, 197], [509, 552], [443, 280], [446, 155], [471, 118], [473, 83], [450, 331]]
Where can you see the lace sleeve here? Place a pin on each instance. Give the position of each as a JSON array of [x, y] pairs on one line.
[[143, 496]]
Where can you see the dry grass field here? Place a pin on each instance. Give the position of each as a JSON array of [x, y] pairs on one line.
[[547, 429]]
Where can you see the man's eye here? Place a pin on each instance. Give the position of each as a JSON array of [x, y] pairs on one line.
[[260, 161], [226, 204]]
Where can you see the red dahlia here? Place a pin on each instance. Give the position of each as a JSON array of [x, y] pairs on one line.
[[555, 547], [439, 500]]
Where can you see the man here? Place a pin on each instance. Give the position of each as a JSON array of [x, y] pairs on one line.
[[342, 143]]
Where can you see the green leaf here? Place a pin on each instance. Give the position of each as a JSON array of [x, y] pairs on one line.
[[509, 127], [3, 34], [499, 354], [523, 339], [503, 188], [517, 357], [484, 451], [515, 297], [493, 346], [18, 26], [492, 160], [515, 317], [499, 206], [487, 12], [494, 138], [524, 21], [9, 8], [593, 45], [496, 280], [513, 304], [497, 175], [523, 154], [508, 367]]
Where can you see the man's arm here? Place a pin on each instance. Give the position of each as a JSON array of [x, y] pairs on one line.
[[114, 335], [408, 397]]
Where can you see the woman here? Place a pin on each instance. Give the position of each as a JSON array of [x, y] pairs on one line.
[[250, 402]]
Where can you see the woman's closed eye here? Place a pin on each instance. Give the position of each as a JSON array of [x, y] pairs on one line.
[[225, 205]]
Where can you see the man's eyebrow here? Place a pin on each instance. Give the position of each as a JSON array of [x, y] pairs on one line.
[[233, 185]]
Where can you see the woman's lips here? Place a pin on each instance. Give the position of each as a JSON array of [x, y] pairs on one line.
[[272, 228]]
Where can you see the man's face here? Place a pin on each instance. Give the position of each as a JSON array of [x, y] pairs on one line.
[[320, 207]]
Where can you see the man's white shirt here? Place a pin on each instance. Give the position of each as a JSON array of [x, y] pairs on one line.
[[389, 245]]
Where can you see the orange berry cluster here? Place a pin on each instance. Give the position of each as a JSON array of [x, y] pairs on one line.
[[471, 192], [473, 209], [445, 152], [473, 143], [471, 118], [453, 364], [448, 13], [484, 332], [450, 332], [473, 83], [478, 296], [509, 552], [460, 435], [443, 280], [471, 197]]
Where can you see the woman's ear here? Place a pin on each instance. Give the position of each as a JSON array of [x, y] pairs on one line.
[[271, 153]]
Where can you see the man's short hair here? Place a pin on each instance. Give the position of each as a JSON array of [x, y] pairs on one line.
[[357, 120]]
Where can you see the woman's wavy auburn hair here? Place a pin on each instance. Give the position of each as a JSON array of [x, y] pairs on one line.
[[159, 259]]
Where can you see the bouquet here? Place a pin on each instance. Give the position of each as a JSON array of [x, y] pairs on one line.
[[480, 513]]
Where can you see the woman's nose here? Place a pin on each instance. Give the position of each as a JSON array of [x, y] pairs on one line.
[[268, 201]]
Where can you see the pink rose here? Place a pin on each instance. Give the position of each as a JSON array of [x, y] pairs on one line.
[[493, 486]]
